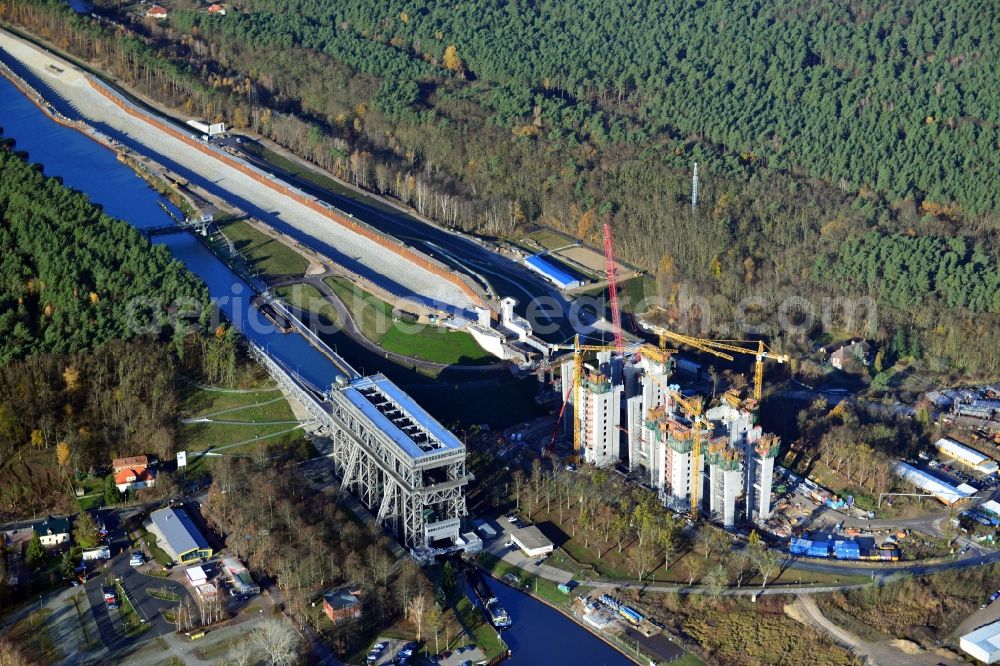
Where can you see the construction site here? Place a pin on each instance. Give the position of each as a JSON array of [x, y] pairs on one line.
[[621, 410]]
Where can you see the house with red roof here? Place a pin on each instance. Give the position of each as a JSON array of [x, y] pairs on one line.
[[157, 12], [217, 9], [133, 473]]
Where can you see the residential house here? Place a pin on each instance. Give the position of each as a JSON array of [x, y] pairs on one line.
[[341, 605], [133, 473], [859, 350], [217, 10], [157, 12], [52, 531]]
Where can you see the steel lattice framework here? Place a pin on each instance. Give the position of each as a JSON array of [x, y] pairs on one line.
[[402, 491]]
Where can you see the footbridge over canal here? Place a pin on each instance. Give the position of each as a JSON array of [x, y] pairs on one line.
[[403, 465]]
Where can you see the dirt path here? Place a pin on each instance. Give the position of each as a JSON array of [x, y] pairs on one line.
[[881, 653]]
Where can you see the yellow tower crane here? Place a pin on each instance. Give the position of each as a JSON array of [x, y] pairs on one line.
[[756, 348]]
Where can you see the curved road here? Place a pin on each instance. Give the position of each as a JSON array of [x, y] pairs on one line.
[[350, 327]]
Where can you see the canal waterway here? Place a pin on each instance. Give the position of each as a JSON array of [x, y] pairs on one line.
[[90, 168], [540, 635]]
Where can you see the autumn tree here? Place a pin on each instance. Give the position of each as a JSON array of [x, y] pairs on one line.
[[62, 453], [85, 531], [416, 612], [451, 60]]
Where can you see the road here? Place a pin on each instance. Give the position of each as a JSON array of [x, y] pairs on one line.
[[350, 327], [506, 276], [136, 585]]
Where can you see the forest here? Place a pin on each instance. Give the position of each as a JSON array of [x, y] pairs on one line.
[[72, 277], [85, 378], [497, 118]]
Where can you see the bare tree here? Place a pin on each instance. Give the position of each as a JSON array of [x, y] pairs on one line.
[[278, 642], [243, 653], [416, 612]]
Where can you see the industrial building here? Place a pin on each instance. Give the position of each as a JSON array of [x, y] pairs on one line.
[[551, 272], [983, 643], [404, 465], [980, 462], [945, 492], [738, 454], [531, 541], [599, 412], [178, 536]]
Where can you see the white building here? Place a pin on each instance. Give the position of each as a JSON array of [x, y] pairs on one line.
[[966, 455], [945, 492], [52, 531], [531, 541], [645, 389], [983, 643]]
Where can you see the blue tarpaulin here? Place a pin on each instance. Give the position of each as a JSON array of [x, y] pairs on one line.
[[560, 277]]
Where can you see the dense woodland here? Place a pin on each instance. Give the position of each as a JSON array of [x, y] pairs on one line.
[[817, 125], [85, 378], [71, 276]]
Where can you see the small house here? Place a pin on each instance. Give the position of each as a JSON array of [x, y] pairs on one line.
[[217, 10], [133, 473], [859, 350], [341, 605], [157, 12], [52, 531]]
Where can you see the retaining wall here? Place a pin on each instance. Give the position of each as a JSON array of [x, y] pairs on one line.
[[334, 215]]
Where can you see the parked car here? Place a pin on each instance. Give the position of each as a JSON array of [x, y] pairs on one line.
[[137, 559], [110, 594]]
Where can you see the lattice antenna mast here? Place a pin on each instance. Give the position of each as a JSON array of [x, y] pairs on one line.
[[609, 267], [694, 187]]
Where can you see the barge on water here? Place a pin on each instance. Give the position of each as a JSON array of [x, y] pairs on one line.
[[280, 321], [495, 613]]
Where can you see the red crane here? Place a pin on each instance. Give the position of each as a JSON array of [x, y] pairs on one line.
[[609, 267]]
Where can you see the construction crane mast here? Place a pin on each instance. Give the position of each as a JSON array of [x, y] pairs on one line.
[[609, 267]]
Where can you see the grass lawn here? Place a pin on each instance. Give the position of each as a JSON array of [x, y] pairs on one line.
[[196, 401], [32, 635], [159, 555], [251, 414], [270, 257], [163, 593], [374, 317], [91, 502], [435, 344], [549, 239]]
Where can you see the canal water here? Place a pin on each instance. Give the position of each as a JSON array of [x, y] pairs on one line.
[[89, 167], [540, 635]]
